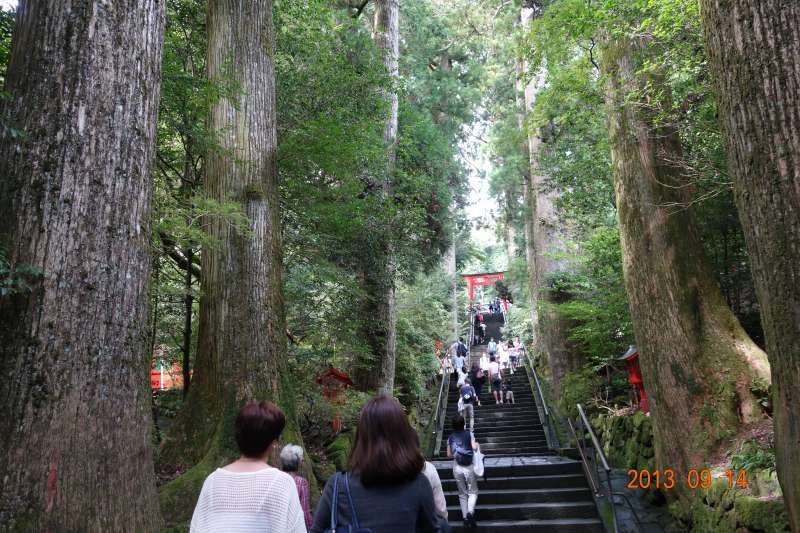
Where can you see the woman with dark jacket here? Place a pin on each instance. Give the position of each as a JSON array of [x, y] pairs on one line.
[[478, 378], [389, 491]]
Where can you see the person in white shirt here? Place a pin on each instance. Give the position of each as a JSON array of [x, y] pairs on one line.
[[503, 356], [438, 493], [462, 376], [496, 379], [248, 495], [491, 348]]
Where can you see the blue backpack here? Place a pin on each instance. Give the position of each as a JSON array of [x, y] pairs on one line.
[[467, 393], [464, 455]]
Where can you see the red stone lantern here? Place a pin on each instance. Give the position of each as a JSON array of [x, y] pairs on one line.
[[631, 358], [334, 384]]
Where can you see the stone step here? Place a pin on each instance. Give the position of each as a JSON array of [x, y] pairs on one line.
[[494, 438], [488, 400], [516, 452], [548, 466], [505, 411], [533, 443], [521, 388], [560, 525], [501, 496], [507, 424], [526, 510], [490, 445], [520, 432], [523, 482]]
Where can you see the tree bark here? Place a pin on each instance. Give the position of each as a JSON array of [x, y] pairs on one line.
[[451, 269], [508, 226], [548, 237], [527, 191], [754, 52], [386, 33], [75, 451], [242, 334], [379, 308], [697, 362], [188, 305]]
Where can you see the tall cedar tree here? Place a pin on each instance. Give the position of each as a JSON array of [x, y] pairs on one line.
[[75, 197], [754, 52], [697, 362], [546, 235], [378, 272], [242, 334]]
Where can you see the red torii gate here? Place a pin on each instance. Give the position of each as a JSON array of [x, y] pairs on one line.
[[483, 279]]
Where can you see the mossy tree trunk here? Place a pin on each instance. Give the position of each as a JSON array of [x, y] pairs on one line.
[[509, 229], [697, 362], [754, 51], [378, 312], [242, 334], [75, 196], [451, 268], [548, 239], [519, 86]]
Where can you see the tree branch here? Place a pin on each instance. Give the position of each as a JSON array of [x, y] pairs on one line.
[[360, 9], [170, 248]]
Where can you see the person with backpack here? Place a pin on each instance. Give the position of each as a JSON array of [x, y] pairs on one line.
[[385, 489], [496, 379], [491, 348], [477, 376], [461, 354], [461, 446], [462, 349], [468, 400]]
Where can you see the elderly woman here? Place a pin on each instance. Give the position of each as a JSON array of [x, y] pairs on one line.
[[291, 458]]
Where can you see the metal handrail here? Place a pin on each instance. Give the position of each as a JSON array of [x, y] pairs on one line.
[[594, 438], [441, 400], [471, 328], [549, 430], [592, 473], [438, 421]]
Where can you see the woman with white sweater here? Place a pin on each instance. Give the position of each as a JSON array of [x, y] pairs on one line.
[[248, 495]]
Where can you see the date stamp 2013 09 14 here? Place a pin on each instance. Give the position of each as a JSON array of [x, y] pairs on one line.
[[694, 479]]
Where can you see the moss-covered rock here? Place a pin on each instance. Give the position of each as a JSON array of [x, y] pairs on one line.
[[627, 440], [758, 514], [723, 509], [338, 451]]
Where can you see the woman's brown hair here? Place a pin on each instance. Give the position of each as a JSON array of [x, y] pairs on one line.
[[257, 426], [386, 451]]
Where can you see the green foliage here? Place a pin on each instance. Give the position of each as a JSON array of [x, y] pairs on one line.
[[580, 386], [753, 455], [331, 159], [16, 278], [7, 20], [518, 324], [598, 309]]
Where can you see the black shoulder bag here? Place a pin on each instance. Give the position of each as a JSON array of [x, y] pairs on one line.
[[354, 527]]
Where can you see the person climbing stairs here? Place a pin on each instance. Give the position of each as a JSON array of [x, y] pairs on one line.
[[527, 486]]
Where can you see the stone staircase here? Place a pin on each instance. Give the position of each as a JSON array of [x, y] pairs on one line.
[[527, 487]]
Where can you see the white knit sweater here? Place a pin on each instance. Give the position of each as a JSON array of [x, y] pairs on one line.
[[265, 501]]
